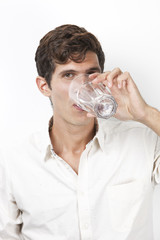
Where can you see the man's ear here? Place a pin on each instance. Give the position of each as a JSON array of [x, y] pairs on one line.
[[43, 86]]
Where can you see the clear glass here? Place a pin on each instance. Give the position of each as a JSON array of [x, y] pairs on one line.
[[95, 99]]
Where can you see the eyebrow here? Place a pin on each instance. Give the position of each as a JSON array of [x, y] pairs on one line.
[[94, 69], [74, 71]]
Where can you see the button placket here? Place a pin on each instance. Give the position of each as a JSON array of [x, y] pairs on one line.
[[82, 195]]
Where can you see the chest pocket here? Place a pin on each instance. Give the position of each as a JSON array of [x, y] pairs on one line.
[[129, 205]]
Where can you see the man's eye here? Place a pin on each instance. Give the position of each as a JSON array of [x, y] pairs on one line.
[[91, 72], [69, 75]]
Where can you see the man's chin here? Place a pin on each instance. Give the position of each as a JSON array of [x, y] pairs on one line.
[[77, 117]]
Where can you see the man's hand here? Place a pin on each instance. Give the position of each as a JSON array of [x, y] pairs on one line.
[[131, 105]]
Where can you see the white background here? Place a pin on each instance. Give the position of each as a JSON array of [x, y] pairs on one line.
[[129, 31]]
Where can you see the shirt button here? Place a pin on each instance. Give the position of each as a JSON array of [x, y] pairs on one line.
[[82, 194], [86, 226]]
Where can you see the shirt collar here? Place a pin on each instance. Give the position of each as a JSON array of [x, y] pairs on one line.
[[45, 141], [99, 133], [45, 145]]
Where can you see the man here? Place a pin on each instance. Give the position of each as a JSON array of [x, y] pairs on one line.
[[83, 178]]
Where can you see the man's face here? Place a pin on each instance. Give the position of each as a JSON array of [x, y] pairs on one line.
[[64, 108]]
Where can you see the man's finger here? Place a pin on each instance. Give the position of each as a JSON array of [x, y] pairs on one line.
[[90, 115], [101, 77], [115, 72]]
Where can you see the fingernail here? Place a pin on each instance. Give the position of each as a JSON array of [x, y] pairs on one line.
[[94, 80], [109, 84], [119, 85]]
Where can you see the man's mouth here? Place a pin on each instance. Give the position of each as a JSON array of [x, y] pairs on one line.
[[77, 107]]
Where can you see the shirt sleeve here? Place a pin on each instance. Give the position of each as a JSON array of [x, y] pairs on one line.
[[156, 169], [10, 215]]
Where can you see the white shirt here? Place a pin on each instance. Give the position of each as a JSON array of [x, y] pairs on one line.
[[42, 198]]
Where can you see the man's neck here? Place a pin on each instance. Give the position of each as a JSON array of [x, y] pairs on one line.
[[66, 137]]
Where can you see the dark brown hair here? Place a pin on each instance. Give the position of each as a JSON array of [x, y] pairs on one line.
[[63, 43]]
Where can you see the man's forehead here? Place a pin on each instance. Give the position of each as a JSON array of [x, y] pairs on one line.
[[90, 62]]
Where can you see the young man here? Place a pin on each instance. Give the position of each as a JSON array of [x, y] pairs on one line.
[[83, 178]]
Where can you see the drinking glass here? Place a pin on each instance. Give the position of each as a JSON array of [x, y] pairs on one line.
[[93, 98]]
